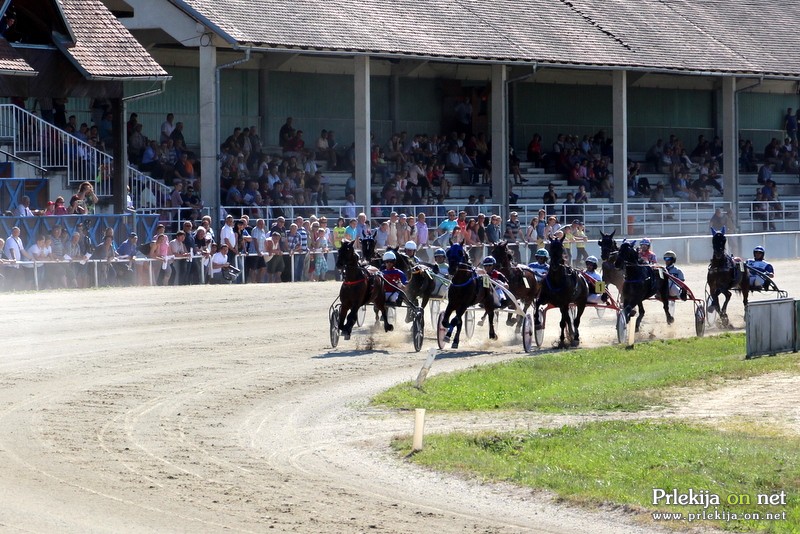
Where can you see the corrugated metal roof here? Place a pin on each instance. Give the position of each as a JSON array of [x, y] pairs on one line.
[[103, 47], [11, 63], [715, 36]]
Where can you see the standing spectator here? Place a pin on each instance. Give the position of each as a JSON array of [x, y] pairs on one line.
[[790, 125], [167, 127], [228, 237], [286, 133], [297, 241], [493, 231], [513, 234], [179, 268], [23, 209], [549, 199], [421, 231]]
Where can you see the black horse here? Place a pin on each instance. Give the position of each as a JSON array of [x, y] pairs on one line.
[[608, 255], [522, 282], [561, 287], [466, 289], [421, 283], [725, 273], [641, 283], [360, 287]]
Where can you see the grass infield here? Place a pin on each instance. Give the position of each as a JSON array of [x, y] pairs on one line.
[[589, 380], [620, 463]]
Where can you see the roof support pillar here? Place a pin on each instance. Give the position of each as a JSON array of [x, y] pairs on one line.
[[119, 183], [263, 98], [499, 129], [730, 143], [619, 109], [209, 183], [394, 102], [362, 131]]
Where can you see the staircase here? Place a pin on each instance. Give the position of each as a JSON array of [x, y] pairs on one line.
[[27, 136]]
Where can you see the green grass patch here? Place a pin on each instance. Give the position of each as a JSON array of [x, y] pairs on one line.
[[621, 463], [602, 379]]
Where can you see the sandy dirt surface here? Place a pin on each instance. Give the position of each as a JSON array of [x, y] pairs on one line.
[[203, 409]]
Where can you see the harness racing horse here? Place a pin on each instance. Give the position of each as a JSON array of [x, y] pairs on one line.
[[608, 255], [561, 287], [421, 283], [466, 289], [724, 273], [522, 282], [641, 283], [360, 286]]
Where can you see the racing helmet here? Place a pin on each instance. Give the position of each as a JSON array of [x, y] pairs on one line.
[[439, 252], [542, 253], [592, 259], [389, 256], [644, 241], [759, 248], [670, 255], [410, 245], [489, 260]]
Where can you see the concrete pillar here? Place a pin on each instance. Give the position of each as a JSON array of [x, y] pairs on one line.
[[119, 177], [263, 99], [209, 185], [619, 106], [361, 95], [730, 144], [499, 131], [394, 102]]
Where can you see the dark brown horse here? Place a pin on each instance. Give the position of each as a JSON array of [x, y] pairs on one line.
[[360, 286], [522, 283], [641, 283], [466, 289], [562, 287], [725, 273], [608, 254]]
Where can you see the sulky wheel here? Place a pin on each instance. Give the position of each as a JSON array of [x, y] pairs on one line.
[[622, 327], [334, 320], [418, 329], [435, 306], [699, 321], [527, 332], [538, 332], [711, 312], [391, 314], [469, 323], [362, 313], [441, 331]]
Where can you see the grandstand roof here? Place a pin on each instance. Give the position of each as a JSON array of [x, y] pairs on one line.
[[101, 47], [743, 37], [11, 63]]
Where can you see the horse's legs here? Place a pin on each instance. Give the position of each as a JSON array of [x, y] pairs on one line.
[[665, 301], [641, 316], [387, 327], [723, 313], [446, 321], [458, 322], [564, 324], [576, 338]]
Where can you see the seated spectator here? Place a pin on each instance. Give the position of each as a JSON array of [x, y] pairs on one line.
[[581, 197], [747, 158], [655, 155]]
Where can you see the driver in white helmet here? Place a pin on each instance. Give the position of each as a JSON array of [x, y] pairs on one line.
[[595, 295], [645, 254], [764, 269], [674, 289], [440, 260], [540, 266], [411, 251], [394, 276]]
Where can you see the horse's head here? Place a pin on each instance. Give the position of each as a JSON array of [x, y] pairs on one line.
[[403, 262], [456, 255], [607, 245], [556, 252], [718, 242], [501, 253], [626, 254], [368, 247], [347, 255]]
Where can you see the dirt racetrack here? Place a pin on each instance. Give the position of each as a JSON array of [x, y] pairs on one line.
[[202, 409]]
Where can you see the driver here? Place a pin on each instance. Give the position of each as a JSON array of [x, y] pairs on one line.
[[411, 251], [645, 254], [595, 296], [674, 289], [489, 264], [394, 276], [440, 260], [540, 266], [760, 281]]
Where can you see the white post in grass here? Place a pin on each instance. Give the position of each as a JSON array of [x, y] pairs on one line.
[[423, 373], [419, 427], [631, 333]]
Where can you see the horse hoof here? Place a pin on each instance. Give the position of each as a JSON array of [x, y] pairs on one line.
[[389, 327], [454, 346], [346, 337], [511, 322], [670, 320], [480, 322], [575, 342], [447, 339], [492, 336]]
